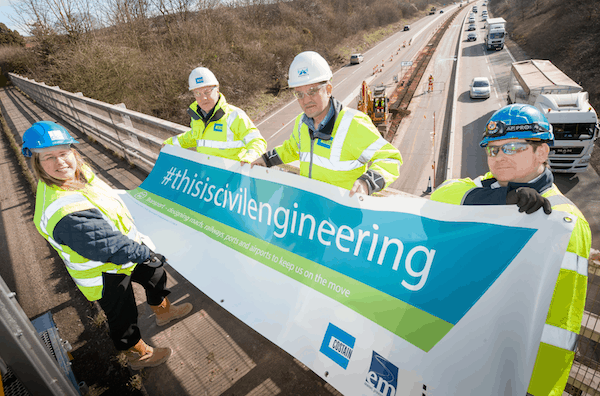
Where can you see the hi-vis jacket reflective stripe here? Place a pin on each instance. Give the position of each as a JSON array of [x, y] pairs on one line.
[[355, 142], [563, 323], [53, 203], [229, 133]]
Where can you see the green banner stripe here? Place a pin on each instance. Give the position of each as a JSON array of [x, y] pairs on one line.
[[410, 323]]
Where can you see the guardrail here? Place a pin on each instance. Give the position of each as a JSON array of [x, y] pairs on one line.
[[138, 137], [135, 136], [22, 351]]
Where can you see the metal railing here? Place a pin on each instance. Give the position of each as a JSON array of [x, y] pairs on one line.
[[138, 138], [135, 136], [22, 350]]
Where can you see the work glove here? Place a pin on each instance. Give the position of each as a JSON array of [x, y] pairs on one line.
[[155, 260], [528, 200]]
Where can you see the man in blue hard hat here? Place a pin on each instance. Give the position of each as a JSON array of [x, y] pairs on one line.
[[516, 141]]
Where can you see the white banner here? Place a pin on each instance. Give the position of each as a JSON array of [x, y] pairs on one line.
[[378, 296]]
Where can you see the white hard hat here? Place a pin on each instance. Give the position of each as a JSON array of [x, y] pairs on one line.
[[308, 68], [201, 77]]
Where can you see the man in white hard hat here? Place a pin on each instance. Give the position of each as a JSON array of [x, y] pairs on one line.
[[218, 128], [334, 144]]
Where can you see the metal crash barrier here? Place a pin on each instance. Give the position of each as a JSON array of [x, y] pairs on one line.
[[32, 362], [135, 136]]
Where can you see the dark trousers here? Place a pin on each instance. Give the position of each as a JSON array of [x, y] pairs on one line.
[[118, 301]]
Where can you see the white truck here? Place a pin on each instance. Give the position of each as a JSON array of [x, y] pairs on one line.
[[495, 33], [565, 104]]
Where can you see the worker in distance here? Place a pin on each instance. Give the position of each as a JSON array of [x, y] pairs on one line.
[[516, 141], [334, 144], [217, 127], [90, 227]]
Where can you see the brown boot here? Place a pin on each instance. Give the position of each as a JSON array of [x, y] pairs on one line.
[[142, 355], [165, 312]]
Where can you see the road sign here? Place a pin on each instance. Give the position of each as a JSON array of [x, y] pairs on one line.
[[408, 63]]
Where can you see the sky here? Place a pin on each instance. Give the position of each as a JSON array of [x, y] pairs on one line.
[[7, 10]]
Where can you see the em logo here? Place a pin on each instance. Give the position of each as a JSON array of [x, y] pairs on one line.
[[382, 377], [337, 345], [303, 72]]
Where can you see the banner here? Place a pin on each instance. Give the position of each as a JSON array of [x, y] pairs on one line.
[[377, 295]]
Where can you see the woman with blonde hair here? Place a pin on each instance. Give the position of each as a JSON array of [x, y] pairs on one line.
[[93, 232]]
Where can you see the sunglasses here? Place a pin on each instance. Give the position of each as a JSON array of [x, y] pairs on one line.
[[508, 148], [311, 92]]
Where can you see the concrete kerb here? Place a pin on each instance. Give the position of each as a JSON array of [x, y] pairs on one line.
[[404, 125], [451, 132]]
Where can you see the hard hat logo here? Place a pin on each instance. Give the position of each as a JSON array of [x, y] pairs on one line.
[[57, 135], [199, 80], [303, 72]]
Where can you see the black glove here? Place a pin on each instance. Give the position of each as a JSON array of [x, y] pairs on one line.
[[528, 200], [155, 260]]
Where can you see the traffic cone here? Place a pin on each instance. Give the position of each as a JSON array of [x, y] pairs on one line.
[[428, 191]]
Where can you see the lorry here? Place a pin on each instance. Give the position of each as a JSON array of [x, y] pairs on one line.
[[374, 104], [495, 33], [566, 106]]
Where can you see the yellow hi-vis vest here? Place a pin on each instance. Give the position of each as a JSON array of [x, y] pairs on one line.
[[354, 143], [53, 203], [229, 133], [563, 323]]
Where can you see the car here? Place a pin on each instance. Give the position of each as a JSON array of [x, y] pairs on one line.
[[441, 11], [471, 20], [406, 27], [471, 27], [356, 59], [472, 37], [480, 88], [484, 18]]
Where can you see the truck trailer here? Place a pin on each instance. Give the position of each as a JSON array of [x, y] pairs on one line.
[[565, 105], [495, 33]]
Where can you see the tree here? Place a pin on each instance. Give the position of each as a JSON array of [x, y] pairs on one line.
[[10, 37]]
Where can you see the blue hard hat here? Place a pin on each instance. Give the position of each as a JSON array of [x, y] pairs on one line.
[[45, 134], [518, 121]]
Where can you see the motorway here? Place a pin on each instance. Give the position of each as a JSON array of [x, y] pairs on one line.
[[214, 353]]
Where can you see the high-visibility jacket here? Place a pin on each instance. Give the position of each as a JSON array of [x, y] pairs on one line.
[[53, 204], [228, 133], [354, 143], [563, 323]]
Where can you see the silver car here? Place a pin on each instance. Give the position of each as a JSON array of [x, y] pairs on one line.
[[480, 88], [356, 59]]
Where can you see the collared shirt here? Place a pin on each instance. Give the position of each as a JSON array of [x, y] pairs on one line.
[[311, 122]]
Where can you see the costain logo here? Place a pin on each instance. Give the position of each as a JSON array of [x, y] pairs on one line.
[[199, 80], [338, 345], [219, 127], [382, 377]]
